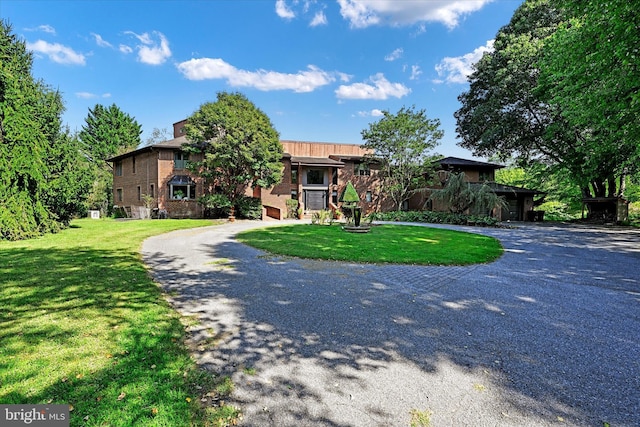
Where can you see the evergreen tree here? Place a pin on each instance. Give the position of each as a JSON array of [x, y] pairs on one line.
[[107, 132], [34, 161]]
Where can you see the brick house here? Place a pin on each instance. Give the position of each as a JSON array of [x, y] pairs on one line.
[[519, 200], [315, 173]]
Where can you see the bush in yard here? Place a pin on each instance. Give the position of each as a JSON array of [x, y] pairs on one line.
[[249, 207], [292, 208], [556, 211], [215, 205], [434, 218]]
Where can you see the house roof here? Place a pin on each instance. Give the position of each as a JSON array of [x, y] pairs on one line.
[[510, 189], [315, 161], [348, 158], [175, 143], [456, 161]]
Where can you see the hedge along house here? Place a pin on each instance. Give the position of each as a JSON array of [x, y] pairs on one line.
[[519, 200], [315, 173]]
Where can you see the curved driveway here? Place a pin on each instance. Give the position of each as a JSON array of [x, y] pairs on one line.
[[547, 335]]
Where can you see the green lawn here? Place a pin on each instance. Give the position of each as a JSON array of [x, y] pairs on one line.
[[383, 244], [83, 324]]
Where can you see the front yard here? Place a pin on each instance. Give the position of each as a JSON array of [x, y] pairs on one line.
[[84, 325]]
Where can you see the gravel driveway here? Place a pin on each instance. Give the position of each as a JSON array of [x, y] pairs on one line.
[[547, 335]]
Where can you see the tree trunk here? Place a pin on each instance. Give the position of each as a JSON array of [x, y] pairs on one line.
[[623, 185], [611, 183]]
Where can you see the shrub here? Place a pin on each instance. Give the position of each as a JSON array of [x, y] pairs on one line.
[[322, 217], [556, 211], [215, 205], [434, 218], [249, 208], [292, 208]]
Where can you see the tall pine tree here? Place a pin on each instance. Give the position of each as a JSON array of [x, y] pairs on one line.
[[29, 138], [108, 131]]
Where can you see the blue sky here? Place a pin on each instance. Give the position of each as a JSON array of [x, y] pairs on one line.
[[321, 70]]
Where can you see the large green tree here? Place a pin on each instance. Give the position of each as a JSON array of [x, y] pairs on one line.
[[235, 146], [402, 143], [501, 114], [37, 188], [590, 69], [107, 132], [535, 96]]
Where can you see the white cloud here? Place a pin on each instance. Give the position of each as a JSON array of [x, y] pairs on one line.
[[150, 51], [100, 41], [364, 13], [125, 49], [57, 52], [318, 19], [381, 88], [457, 69], [373, 113], [89, 95], [358, 14], [396, 54], [415, 72], [216, 68], [44, 28], [283, 10]]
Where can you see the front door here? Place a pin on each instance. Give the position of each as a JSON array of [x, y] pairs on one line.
[[315, 200], [514, 210]]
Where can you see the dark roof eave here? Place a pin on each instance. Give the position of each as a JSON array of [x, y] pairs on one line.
[[510, 189], [315, 161]]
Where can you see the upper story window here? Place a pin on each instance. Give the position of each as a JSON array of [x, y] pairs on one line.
[[118, 168], [180, 160], [133, 164], [362, 169], [294, 176], [484, 176], [315, 176]]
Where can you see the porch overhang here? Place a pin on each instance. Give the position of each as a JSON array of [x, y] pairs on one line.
[[316, 162]]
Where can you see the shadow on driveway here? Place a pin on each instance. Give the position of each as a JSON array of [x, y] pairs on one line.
[[549, 333]]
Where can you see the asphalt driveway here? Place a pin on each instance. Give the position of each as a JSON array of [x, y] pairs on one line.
[[547, 335]]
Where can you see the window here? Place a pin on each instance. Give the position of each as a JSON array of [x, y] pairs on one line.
[[182, 187], [119, 194], [118, 168], [315, 176], [139, 193], [180, 160], [294, 176], [334, 176], [152, 191], [485, 176], [294, 194], [133, 164], [334, 197], [369, 196], [362, 169]]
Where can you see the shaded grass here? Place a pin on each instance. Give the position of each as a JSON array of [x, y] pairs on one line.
[[83, 324], [394, 244]]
